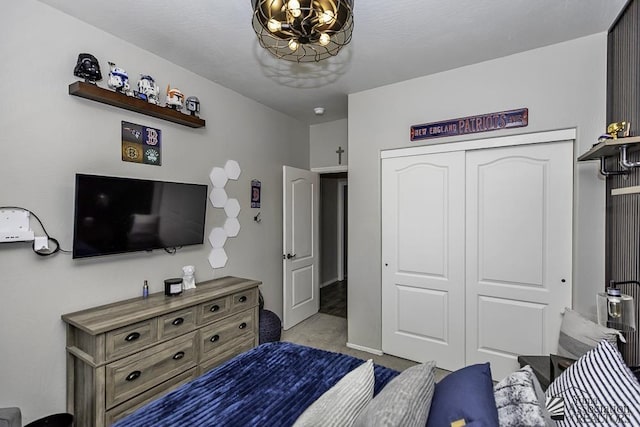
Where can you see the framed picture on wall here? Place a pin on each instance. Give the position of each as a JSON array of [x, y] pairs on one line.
[[141, 144], [256, 187]]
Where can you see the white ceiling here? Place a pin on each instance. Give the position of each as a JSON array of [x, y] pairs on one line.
[[393, 40]]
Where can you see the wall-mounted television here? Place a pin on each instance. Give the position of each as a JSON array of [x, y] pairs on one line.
[[116, 215]]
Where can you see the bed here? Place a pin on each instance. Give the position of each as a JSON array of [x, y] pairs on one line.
[[286, 384]]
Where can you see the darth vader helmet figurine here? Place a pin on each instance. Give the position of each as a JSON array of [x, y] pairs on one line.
[[119, 80], [193, 105], [88, 68]]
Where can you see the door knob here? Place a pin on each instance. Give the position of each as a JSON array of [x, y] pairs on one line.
[[289, 256]]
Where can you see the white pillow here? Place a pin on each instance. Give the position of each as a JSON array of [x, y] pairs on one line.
[[579, 334], [340, 405], [598, 389]]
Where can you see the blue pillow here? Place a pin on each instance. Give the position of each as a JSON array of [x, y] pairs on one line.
[[464, 394]]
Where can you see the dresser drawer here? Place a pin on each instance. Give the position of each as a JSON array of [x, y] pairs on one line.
[[243, 300], [213, 310], [131, 338], [137, 373], [177, 323], [227, 351], [216, 336], [131, 405]]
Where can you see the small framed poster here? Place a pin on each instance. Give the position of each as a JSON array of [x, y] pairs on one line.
[[141, 144], [255, 193]]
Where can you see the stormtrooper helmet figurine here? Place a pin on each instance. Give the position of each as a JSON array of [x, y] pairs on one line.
[[193, 105], [119, 80], [175, 98], [88, 68], [148, 89]]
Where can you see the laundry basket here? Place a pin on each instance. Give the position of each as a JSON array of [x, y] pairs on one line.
[[270, 326]]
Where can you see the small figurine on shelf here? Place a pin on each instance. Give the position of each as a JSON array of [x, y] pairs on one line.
[[614, 129], [148, 89], [88, 68], [193, 105], [175, 98], [119, 80]]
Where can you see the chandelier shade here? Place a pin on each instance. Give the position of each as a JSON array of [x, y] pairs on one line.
[[303, 30]]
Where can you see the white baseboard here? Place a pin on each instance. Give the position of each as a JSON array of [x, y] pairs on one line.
[[328, 282], [363, 348]]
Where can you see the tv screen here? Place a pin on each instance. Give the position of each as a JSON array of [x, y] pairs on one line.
[[115, 215]]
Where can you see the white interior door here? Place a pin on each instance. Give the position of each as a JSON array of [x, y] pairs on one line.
[[301, 290], [518, 250], [423, 258]]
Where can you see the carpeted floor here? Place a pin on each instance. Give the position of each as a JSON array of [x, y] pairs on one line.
[[330, 333]]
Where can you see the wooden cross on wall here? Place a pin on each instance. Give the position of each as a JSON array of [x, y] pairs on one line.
[[339, 151]]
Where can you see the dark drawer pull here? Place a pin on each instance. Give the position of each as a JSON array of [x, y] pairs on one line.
[[179, 355], [242, 325], [178, 321], [132, 336], [242, 299], [214, 308], [214, 338], [133, 376]]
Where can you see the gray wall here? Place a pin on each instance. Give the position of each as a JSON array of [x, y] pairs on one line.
[[562, 85], [46, 136], [325, 138]]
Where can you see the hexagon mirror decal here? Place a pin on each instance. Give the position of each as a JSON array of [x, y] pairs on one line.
[[232, 169], [218, 258], [218, 197], [218, 177], [218, 237], [232, 208], [232, 227]]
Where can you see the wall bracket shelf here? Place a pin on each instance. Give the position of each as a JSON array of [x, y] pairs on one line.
[[613, 147], [109, 97]]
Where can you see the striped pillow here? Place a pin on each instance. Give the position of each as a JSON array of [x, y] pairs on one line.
[[340, 405], [404, 402], [598, 389]]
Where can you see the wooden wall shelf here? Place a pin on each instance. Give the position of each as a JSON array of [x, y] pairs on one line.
[[109, 97], [610, 147]]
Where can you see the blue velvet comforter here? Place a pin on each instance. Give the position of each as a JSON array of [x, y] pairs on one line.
[[270, 385]]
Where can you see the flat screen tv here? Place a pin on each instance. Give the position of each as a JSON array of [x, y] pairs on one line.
[[115, 215]]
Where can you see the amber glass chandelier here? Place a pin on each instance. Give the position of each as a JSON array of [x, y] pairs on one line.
[[303, 30]]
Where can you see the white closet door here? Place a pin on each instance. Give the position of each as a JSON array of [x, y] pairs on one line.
[[519, 240], [423, 258]]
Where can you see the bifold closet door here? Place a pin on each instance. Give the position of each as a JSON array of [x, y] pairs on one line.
[[518, 251], [423, 258]]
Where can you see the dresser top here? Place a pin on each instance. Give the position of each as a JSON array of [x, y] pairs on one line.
[[112, 316]]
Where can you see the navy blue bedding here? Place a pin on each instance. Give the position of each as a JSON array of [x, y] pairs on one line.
[[270, 385]]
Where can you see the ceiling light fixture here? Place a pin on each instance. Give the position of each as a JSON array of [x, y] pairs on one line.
[[303, 30]]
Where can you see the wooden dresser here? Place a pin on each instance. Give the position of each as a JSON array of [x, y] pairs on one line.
[[123, 355]]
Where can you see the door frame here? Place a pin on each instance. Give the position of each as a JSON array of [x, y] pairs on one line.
[[340, 250]]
